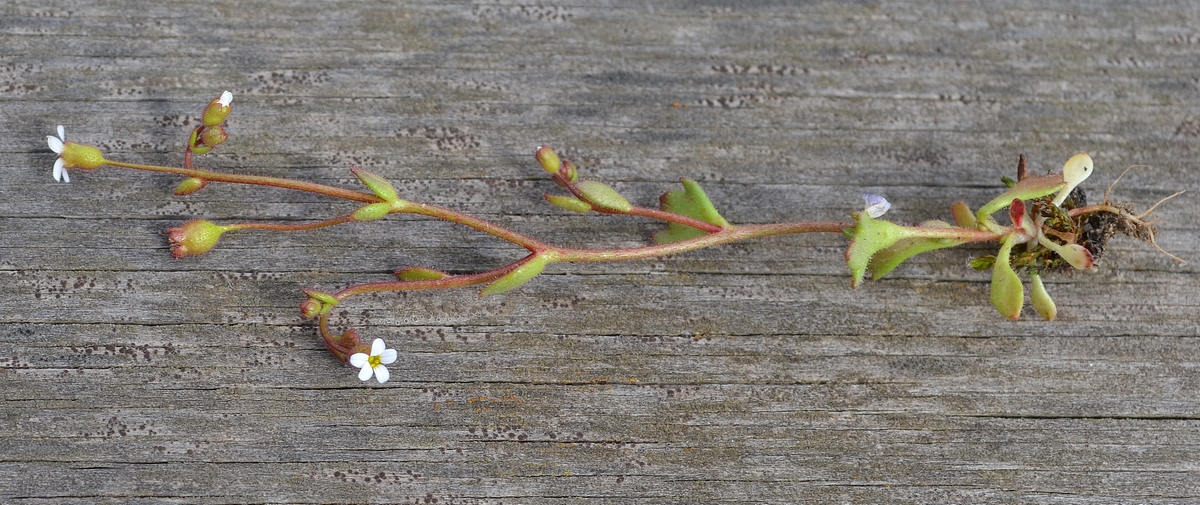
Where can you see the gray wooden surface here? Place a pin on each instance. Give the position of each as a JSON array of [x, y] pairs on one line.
[[748, 373]]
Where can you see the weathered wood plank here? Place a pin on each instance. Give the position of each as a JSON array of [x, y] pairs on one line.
[[747, 373]]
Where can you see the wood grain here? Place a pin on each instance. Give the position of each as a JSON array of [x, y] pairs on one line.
[[748, 373]]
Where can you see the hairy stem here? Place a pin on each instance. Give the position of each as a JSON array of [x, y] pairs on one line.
[[256, 180]]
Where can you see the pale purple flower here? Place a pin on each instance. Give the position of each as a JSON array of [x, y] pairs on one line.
[[875, 205]]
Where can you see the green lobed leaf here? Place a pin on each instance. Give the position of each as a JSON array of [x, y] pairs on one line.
[[1007, 293], [519, 276], [691, 201], [870, 236]]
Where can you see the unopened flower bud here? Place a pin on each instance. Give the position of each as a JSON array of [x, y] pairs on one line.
[[217, 110], [193, 237], [310, 308], [352, 339], [318, 303], [569, 172], [548, 159], [213, 136], [189, 186]]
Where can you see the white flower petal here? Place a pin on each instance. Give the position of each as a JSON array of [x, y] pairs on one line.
[[66, 175], [358, 359], [377, 347], [62, 133], [56, 144], [365, 373], [382, 374], [388, 356], [58, 170], [875, 205], [226, 98]]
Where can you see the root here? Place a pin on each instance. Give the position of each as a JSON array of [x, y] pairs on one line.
[[1110, 217]]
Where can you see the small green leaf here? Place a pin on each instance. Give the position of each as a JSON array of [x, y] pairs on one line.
[[420, 274], [691, 201], [1027, 189], [372, 212], [377, 184], [569, 203], [982, 263], [189, 186], [1075, 254], [1007, 293], [603, 195], [1075, 170], [962, 215], [520, 275], [1040, 299], [321, 296]]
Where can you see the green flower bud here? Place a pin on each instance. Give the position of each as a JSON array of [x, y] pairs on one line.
[[213, 136], [194, 237], [568, 171], [548, 159]]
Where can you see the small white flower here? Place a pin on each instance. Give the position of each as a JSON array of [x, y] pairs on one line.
[[875, 205], [56, 145], [226, 99], [373, 364]]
